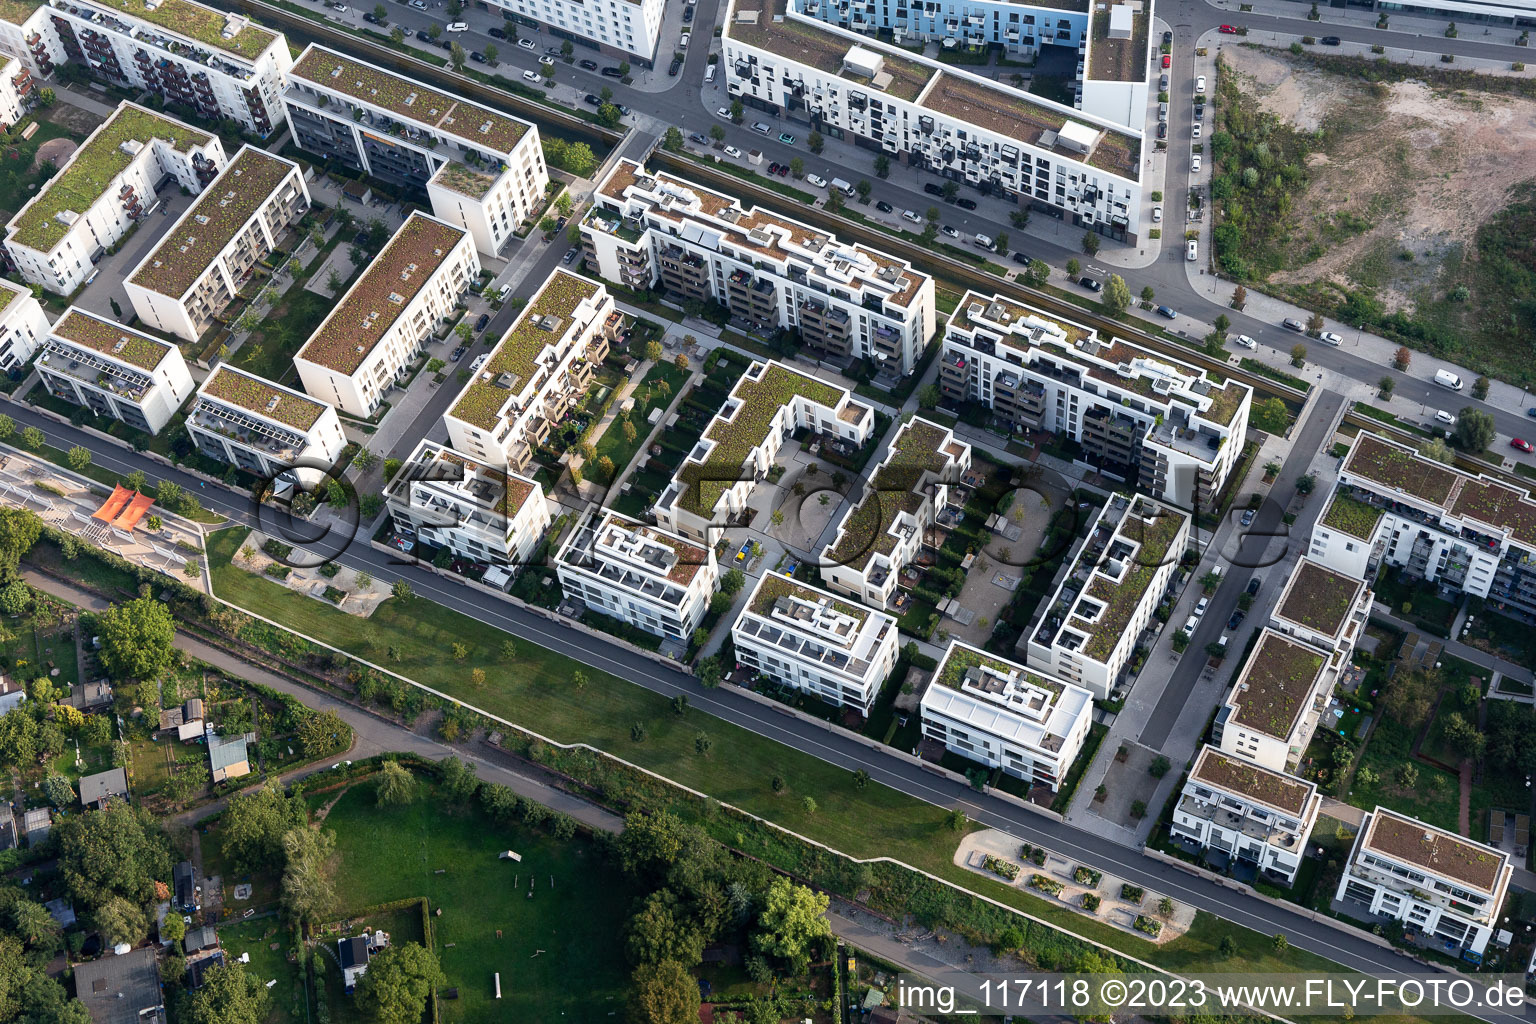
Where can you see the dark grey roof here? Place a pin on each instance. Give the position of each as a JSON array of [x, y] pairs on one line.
[[199, 938], [116, 989], [102, 785], [196, 969], [61, 911], [352, 952]]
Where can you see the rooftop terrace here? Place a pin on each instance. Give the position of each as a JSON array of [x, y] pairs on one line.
[[773, 586], [1121, 598], [87, 330], [202, 24], [464, 179], [1257, 783], [260, 396], [1410, 841], [1272, 692], [1117, 60], [893, 489]]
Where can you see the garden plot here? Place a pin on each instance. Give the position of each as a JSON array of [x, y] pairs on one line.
[[355, 593]]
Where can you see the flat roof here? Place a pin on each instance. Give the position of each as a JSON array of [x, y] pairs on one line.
[[212, 222], [1319, 598], [1272, 692], [865, 531], [201, 24], [1118, 60], [262, 397], [376, 299], [766, 24], [470, 122], [1262, 785], [464, 179], [90, 171], [124, 344], [962, 657], [773, 586], [690, 557], [115, 989], [513, 490], [1121, 598], [1355, 518], [1411, 841], [17, 11]]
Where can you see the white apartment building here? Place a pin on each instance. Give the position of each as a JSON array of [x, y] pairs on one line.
[[1138, 415], [810, 640], [384, 320], [1088, 630], [1438, 884], [847, 301], [267, 430], [482, 170], [16, 89], [935, 116], [1469, 534], [1248, 812], [537, 373], [627, 29], [1274, 707], [1323, 607], [23, 326], [768, 404], [1000, 714], [105, 187], [219, 63], [477, 511], [199, 266], [883, 533], [114, 370], [651, 579]]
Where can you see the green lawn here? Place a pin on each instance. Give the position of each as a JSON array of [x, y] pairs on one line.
[[612, 443], [269, 351], [395, 853], [1435, 799], [289, 995], [18, 181]]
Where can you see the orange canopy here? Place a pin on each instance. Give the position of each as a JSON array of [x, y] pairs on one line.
[[134, 512], [115, 504]]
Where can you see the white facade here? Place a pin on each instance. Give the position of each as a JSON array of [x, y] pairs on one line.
[[483, 170], [814, 641], [884, 533], [1274, 707], [538, 372], [16, 88], [1112, 82], [105, 187], [199, 266], [114, 371], [1436, 883], [625, 28], [847, 301], [1248, 812], [1001, 714], [478, 511], [1324, 608], [1137, 414], [23, 326], [638, 574], [383, 321], [267, 430], [936, 116], [1088, 630], [768, 404]]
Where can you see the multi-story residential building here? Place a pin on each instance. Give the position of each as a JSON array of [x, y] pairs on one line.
[[1277, 701], [1469, 534], [219, 63], [1165, 426], [651, 579], [1112, 82], [267, 430], [1248, 812], [114, 371], [847, 301], [23, 326], [482, 170], [883, 533], [383, 321], [16, 90], [999, 713], [768, 404], [810, 640], [477, 511], [1323, 607], [935, 116], [537, 373], [201, 263], [627, 29], [1088, 630], [105, 187], [1434, 881]]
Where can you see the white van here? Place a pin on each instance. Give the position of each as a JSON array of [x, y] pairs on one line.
[[984, 241], [709, 73], [843, 187], [1447, 379]]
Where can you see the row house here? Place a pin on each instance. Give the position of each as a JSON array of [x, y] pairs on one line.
[[885, 531], [114, 371], [481, 169], [264, 429], [1279, 697], [1166, 427], [383, 322], [23, 326], [1469, 534], [202, 262], [768, 404], [1240, 809], [539, 371], [626, 29], [106, 187], [935, 116], [1000, 714], [651, 579], [478, 511], [848, 301], [1087, 632], [810, 640]]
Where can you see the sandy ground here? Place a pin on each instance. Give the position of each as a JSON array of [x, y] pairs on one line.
[[1424, 168]]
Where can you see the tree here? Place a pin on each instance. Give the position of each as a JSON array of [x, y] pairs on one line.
[[1306, 483], [14, 597], [1480, 388], [402, 591], [1298, 355], [137, 639], [1314, 323], [815, 142], [663, 929], [864, 188], [112, 852], [1436, 448], [7, 427], [609, 115], [662, 994], [1402, 357], [731, 581], [929, 397], [395, 988], [457, 778], [1280, 942], [710, 671], [680, 361], [322, 731], [33, 439], [363, 582], [78, 457], [737, 111], [1228, 947], [456, 56], [1385, 387], [1037, 273], [932, 214], [791, 922], [491, 52], [306, 895], [882, 166], [397, 785], [1091, 243], [717, 133], [397, 35], [120, 920], [1239, 297], [59, 792], [253, 827], [1073, 267], [672, 140], [1117, 294], [230, 995], [1474, 430]]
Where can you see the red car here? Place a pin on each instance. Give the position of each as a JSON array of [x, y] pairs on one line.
[[1229, 30], [1524, 446], [1167, 60]]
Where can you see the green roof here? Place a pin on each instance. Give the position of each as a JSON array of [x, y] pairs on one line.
[[1394, 466], [1353, 517], [1319, 598], [893, 489], [464, 179], [1278, 677], [774, 586], [7, 295], [18, 11], [203, 24], [90, 331], [960, 659], [517, 352], [260, 396], [91, 170], [1120, 599]]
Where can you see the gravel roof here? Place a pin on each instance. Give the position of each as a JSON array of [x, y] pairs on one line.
[[204, 24], [1411, 841]]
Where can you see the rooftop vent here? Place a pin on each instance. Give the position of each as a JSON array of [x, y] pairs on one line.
[[272, 402]]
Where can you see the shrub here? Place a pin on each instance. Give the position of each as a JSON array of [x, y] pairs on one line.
[[1308, 40], [1049, 886], [1087, 876], [1148, 925], [1007, 868], [1447, 58], [1132, 893], [1091, 902]]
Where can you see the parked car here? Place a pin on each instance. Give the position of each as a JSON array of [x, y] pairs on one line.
[[1199, 84], [527, 44], [418, 5], [1167, 38], [949, 232], [339, 8], [457, 26], [483, 322], [1162, 129], [533, 76], [457, 354], [423, 35], [588, 65], [1167, 311], [773, 168], [883, 206], [1194, 131], [1090, 284], [1236, 619], [1021, 258], [1228, 30], [1530, 412], [817, 180], [1444, 417], [1329, 338], [1253, 586], [912, 216], [570, 255], [1189, 626], [1194, 164], [612, 71], [1290, 323], [622, 109], [687, 15], [674, 68], [1157, 214], [732, 151], [965, 204], [477, 56], [1200, 608], [698, 138], [1243, 341], [371, 18], [1193, 251], [723, 112], [786, 138], [1331, 41], [1524, 446], [783, 170], [496, 33], [1167, 60], [932, 189], [1248, 517], [593, 98], [682, 41]]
